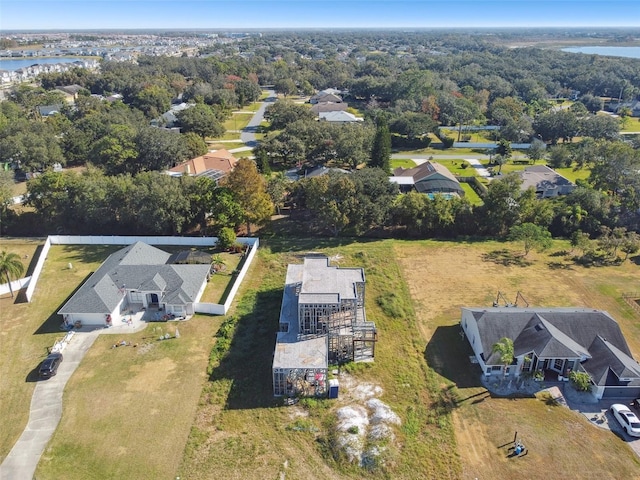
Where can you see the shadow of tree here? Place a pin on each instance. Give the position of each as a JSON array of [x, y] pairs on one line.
[[560, 266], [506, 258]]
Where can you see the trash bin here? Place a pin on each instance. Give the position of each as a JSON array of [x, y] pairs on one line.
[[333, 388]]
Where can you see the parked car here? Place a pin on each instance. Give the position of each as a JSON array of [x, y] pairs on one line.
[[626, 418], [50, 365]]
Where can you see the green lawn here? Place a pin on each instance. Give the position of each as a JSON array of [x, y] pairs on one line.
[[404, 163], [470, 194]]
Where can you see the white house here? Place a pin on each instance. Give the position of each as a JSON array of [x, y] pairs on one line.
[[136, 278]]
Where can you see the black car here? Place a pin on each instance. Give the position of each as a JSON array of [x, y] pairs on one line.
[[50, 365]]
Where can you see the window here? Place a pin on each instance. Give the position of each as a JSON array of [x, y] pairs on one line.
[[557, 365]]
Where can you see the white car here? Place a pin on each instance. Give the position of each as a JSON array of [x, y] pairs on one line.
[[627, 419]]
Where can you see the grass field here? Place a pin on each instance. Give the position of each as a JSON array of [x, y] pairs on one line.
[[444, 276], [150, 411]]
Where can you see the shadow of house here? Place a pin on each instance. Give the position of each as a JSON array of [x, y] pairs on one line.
[[448, 353], [247, 363]]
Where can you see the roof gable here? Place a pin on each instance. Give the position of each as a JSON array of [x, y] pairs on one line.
[[137, 267], [555, 333]]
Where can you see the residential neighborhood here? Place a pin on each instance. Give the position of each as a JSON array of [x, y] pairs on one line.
[[274, 253]]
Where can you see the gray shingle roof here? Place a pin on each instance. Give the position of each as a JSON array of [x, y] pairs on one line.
[[138, 267], [560, 333]]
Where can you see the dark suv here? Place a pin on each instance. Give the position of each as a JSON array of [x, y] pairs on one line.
[[50, 365]]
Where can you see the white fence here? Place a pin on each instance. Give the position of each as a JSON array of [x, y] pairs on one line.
[[211, 308], [15, 285]]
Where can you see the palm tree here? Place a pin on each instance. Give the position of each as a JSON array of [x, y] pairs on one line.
[[10, 266], [504, 348], [217, 263]]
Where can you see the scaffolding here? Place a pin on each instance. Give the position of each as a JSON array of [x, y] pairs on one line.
[[323, 307]]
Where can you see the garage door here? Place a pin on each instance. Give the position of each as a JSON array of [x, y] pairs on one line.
[[621, 392]]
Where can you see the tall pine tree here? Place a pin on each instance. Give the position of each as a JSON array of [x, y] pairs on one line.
[[381, 150]]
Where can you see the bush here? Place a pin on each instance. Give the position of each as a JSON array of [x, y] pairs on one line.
[[447, 142], [226, 238], [581, 380]]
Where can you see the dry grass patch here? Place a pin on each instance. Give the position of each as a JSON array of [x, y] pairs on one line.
[[128, 410], [444, 276]]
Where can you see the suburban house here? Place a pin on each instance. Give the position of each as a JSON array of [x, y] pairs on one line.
[[545, 181], [555, 341], [430, 178], [70, 92], [215, 165], [328, 95], [169, 118], [319, 108], [320, 170], [322, 322], [339, 117], [137, 278], [49, 110]]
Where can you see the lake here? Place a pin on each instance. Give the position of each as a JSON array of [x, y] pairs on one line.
[[629, 52], [16, 63]]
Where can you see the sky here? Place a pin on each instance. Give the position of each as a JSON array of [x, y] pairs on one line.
[[252, 14]]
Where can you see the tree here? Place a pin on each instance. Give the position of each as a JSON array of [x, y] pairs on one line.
[[559, 156], [226, 238], [504, 148], [532, 236], [555, 125], [499, 160], [331, 199], [591, 103], [286, 86], [159, 149], [630, 244], [381, 150], [277, 186], [195, 145], [501, 207], [285, 112], [117, 151], [153, 100], [202, 120], [249, 190], [504, 349], [10, 266], [536, 150], [600, 127]]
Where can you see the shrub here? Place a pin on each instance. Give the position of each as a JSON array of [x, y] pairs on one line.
[[226, 238], [581, 380]]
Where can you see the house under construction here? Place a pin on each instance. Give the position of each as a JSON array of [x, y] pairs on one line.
[[322, 322]]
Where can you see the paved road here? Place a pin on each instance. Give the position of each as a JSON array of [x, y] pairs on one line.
[[46, 410], [248, 134]]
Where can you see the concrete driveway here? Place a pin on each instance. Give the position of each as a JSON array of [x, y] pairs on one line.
[[45, 413]]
